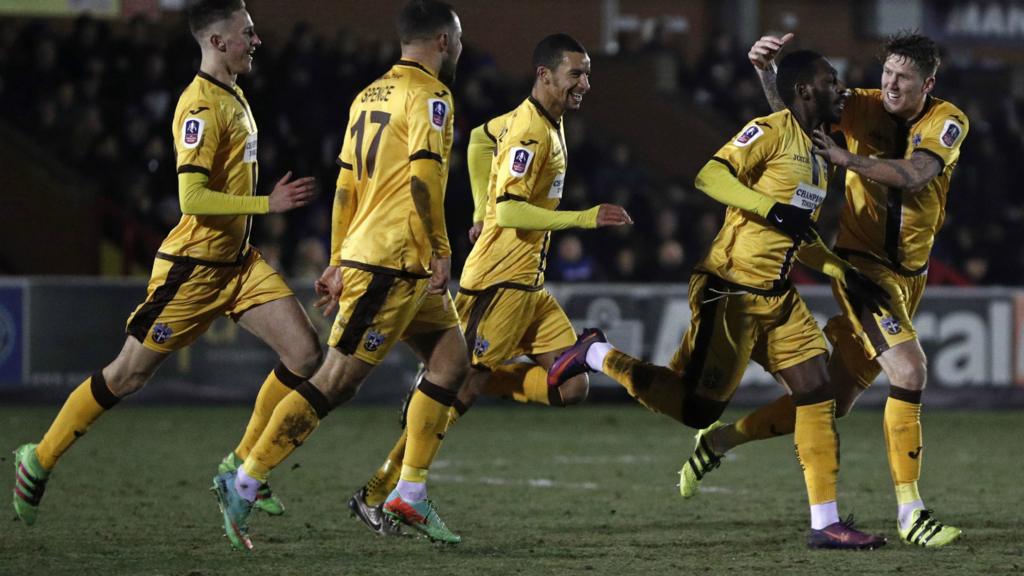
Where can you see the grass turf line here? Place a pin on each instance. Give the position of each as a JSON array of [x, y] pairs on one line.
[[533, 491]]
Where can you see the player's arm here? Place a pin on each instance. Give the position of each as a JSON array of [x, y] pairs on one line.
[[516, 212], [342, 211], [196, 197], [718, 180], [912, 173], [762, 56], [861, 290], [479, 155]]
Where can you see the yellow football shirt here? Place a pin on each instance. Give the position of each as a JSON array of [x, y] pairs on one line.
[[771, 155], [403, 116], [529, 166], [214, 134], [892, 226]]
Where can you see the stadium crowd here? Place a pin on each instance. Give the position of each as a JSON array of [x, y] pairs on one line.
[[99, 98]]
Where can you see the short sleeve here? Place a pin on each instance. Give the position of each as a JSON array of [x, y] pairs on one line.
[[749, 149], [429, 116], [197, 135], [941, 136], [520, 160]]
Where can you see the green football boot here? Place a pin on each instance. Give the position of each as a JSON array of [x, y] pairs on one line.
[[234, 509], [266, 501], [420, 515], [29, 483], [702, 461], [926, 531]]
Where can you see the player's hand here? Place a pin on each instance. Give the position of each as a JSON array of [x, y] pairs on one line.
[[328, 287], [612, 215], [763, 52], [288, 195], [864, 293], [827, 148], [440, 274], [792, 221], [475, 231]]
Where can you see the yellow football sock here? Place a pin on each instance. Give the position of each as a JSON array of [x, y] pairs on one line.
[[656, 387], [429, 415], [278, 384], [521, 382], [385, 478], [296, 417], [775, 419], [903, 441], [817, 449], [85, 404]]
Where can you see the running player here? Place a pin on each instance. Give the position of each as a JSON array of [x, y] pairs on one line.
[[742, 301], [390, 252], [205, 268], [505, 310], [901, 146]]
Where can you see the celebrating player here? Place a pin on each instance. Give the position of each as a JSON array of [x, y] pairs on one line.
[[505, 310], [901, 146], [388, 275], [743, 303], [205, 267]]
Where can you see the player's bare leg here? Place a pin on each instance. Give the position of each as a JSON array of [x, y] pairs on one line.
[[127, 374], [284, 326]]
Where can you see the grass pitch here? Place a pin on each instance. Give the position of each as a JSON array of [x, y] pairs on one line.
[[533, 491]]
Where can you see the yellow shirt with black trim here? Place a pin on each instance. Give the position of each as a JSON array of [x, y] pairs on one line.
[[215, 135], [894, 226], [529, 166], [483, 145], [771, 155], [403, 116]]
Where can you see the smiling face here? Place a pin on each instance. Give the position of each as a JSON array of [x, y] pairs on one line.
[[904, 86], [568, 82], [237, 41]]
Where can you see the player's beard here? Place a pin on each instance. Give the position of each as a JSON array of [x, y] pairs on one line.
[[447, 72], [827, 112]]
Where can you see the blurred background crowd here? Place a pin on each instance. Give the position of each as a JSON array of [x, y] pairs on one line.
[[99, 98]]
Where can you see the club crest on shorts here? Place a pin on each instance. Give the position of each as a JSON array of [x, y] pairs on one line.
[[950, 133], [916, 140], [191, 132], [373, 340], [438, 113], [749, 135], [891, 325], [161, 332], [520, 162], [480, 346]]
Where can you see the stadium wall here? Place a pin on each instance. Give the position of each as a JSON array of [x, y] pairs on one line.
[[56, 331]]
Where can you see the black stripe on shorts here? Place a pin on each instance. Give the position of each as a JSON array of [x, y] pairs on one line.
[[366, 309], [480, 306], [144, 319], [702, 344]]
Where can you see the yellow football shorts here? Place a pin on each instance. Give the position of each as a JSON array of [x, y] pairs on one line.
[[185, 296], [379, 308], [859, 337], [502, 323], [730, 326]]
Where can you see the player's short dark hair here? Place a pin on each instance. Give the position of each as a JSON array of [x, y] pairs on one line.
[[795, 68], [918, 48], [422, 19], [550, 50], [202, 13]]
